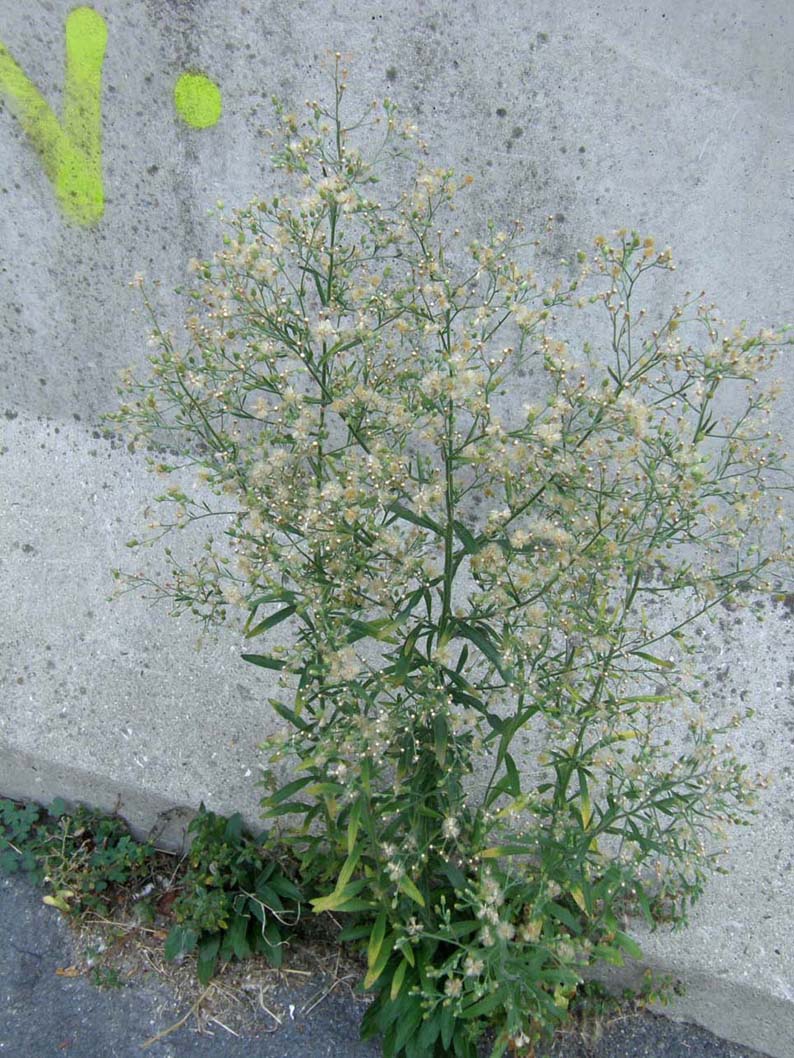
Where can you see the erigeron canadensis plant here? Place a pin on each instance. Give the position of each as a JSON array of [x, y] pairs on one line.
[[458, 570]]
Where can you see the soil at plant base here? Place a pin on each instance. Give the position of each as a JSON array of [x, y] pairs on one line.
[[66, 993]]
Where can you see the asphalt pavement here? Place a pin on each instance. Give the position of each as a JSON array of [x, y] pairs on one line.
[[46, 1013]]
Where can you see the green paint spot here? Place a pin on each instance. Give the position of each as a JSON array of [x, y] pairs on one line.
[[71, 149], [197, 100]]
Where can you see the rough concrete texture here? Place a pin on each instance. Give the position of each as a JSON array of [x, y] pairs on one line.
[[673, 118]]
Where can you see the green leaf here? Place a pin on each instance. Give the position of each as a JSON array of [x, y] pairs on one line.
[[180, 940], [285, 792], [379, 629], [469, 542], [355, 932], [447, 1026], [273, 945], [407, 1025], [264, 661], [486, 1004], [483, 641], [376, 939], [630, 946], [406, 886], [269, 896], [207, 958], [357, 904], [280, 595], [429, 1033], [464, 926], [654, 660], [397, 980], [288, 808], [348, 867], [455, 875], [233, 830], [284, 887], [340, 899], [290, 715], [237, 936], [269, 622], [496, 852], [353, 823], [441, 738], [562, 914], [380, 963], [416, 519]]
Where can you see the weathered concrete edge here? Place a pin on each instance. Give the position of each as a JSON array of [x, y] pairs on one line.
[[732, 1009], [27, 777]]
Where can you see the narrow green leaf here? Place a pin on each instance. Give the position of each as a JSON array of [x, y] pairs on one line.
[[429, 1033], [416, 519], [237, 936], [270, 622], [263, 660], [339, 897], [380, 963], [483, 641], [376, 939], [469, 542], [207, 958], [486, 1004], [353, 823], [285, 792], [288, 714], [348, 867], [562, 914], [180, 940], [407, 1025], [455, 875], [397, 980], [288, 808], [630, 946], [447, 1026], [406, 886], [441, 738], [654, 660]]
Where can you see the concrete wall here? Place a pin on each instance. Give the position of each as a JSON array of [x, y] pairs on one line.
[[671, 116]]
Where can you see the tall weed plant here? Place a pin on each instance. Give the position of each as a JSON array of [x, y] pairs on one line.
[[494, 749]]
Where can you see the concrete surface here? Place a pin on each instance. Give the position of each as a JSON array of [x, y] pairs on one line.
[[47, 1015], [674, 118]]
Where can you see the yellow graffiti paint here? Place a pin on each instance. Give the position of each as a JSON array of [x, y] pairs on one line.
[[197, 100], [71, 149]]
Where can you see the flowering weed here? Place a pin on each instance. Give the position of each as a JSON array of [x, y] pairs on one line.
[[467, 575]]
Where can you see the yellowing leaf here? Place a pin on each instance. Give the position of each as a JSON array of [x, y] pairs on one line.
[[348, 867], [379, 966], [335, 900], [578, 896], [59, 900], [397, 980], [531, 931], [376, 939]]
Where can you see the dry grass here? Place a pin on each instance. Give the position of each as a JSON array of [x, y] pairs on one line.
[[244, 998]]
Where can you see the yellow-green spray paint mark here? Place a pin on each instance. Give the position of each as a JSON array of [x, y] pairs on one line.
[[197, 100], [71, 149]]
